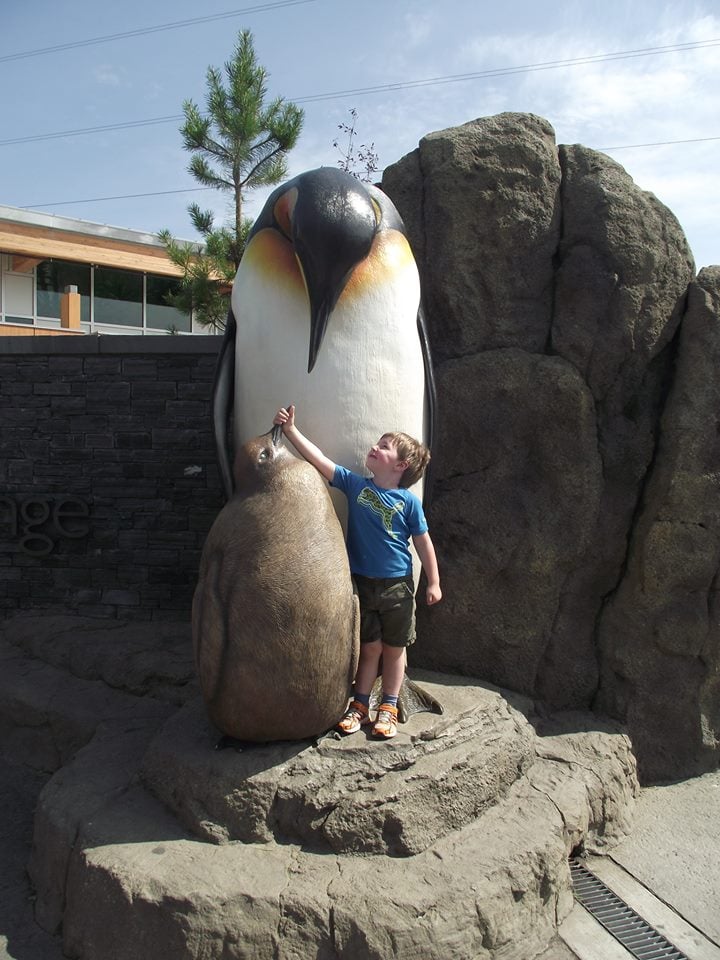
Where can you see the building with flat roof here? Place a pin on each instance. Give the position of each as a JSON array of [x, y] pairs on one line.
[[60, 276]]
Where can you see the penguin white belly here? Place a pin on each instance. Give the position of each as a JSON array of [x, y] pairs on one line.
[[369, 376]]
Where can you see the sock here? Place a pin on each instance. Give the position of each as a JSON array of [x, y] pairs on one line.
[[386, 698], [363, 698]]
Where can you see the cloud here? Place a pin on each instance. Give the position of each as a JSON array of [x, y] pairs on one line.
[[108, 76], [417, 29], [601, 104]]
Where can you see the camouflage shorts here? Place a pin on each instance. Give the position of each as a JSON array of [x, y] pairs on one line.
[[387, 610]]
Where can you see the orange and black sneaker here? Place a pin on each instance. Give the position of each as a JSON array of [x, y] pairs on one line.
[[386, 723], [356, 716]]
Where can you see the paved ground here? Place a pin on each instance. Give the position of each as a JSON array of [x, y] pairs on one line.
[[675, 849], [671, 863], [667, 870]]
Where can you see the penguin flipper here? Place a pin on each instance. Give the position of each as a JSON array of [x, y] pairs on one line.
[[222, 402], [411, 699], [431, 400]]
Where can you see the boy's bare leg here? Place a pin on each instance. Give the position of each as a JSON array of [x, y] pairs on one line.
[[393, 669], [367, 670]]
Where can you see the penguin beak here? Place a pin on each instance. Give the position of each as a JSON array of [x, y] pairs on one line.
[[319, 316], [325, 279], [334, 224]]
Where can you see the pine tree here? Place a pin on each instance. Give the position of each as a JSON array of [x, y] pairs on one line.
[[238, 144]]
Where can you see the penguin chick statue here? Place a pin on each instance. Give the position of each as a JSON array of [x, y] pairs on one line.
[[326, 314], [275, 624]]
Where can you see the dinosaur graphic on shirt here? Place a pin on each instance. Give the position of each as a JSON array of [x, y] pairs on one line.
[[368, 498]]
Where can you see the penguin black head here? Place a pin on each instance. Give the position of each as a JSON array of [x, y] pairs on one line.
[[331, 220]]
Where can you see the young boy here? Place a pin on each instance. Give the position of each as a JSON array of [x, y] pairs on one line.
[[382, 516]]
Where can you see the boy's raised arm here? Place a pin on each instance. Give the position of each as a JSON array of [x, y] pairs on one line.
[[306, 448]]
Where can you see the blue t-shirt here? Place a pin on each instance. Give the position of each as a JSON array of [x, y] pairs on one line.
[[380, 524]]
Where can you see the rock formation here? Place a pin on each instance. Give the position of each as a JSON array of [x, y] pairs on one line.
[[659, 632], [452, 840], [577, 389]]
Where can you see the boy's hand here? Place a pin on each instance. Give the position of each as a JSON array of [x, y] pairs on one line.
[[285, 417], [433, 594]]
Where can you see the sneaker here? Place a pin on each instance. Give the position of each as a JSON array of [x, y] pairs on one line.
[[356, 716], [387, 721]]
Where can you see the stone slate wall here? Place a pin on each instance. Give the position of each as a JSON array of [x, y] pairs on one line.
[[122, 425]]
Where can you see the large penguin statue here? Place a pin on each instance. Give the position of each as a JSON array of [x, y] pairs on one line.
[[275, 621], [326, 315]]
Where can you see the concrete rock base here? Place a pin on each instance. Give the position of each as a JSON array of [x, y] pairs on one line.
[[462, 829], [346, 794]]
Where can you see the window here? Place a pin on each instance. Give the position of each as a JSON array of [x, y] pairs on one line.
[[158, 313], [51, 278], [18, 298], [118, 297], [112, 300]]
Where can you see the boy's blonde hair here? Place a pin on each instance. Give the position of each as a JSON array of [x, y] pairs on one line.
[[412, 450]]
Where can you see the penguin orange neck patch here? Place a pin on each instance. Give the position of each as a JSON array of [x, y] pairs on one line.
[[271, 254], [390, 255], [283, 211]]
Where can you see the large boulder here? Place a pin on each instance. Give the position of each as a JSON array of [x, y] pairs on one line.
[[481, 204], [659, 634], [513, 511], [623, 271], [555, 291]]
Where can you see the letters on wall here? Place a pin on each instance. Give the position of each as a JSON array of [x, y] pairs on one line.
[[35, 523]]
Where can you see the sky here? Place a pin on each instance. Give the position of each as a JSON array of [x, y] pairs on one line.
[[644, 88]]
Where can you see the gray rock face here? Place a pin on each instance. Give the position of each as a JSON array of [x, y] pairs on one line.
[[19, 935], [97, 774], [481, 205], [345, 795], [659, 632], [44, 720], [622, 278], [513, 511], [556, 292], [154, 659], [452, 841]]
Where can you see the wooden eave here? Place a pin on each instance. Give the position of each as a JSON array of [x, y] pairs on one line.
[[45, 243]]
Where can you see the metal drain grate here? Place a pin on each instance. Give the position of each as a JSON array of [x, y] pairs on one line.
[[628, 927]]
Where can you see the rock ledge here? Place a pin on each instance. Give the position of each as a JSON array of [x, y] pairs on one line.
[[450, 841]]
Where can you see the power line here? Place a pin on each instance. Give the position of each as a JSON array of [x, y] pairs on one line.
[[410, 84], [509, 71], [125, 196], [128, 125], [160, 193], [175, 25], [657, 143], [401, 85]]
